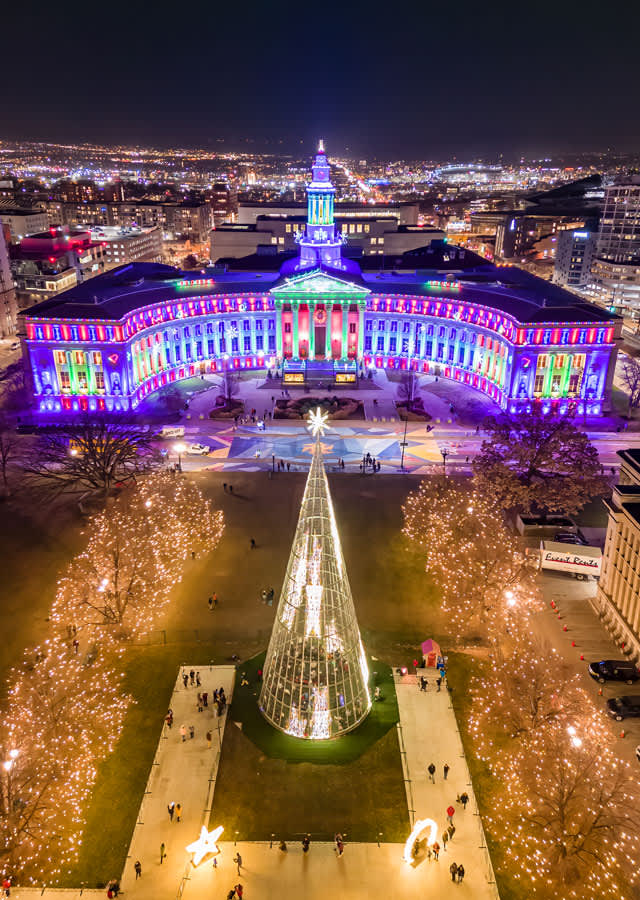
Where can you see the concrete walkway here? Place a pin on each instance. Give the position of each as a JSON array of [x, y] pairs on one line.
[[183, 772]]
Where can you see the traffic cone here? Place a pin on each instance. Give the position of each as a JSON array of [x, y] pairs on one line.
[[600, 692], [564, 628], [582, 656], [573, 643], [622, 733]]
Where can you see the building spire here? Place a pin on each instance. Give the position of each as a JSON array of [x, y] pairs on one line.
[[315, 683], [320, 146]]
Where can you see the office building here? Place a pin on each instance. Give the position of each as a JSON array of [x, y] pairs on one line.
[[618, 596], [8, 301], [128, 244], [615, 274], [23, 222], [573, 258]]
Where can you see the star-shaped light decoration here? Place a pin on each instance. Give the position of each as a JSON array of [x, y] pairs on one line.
[[318, 422], [205, 845]]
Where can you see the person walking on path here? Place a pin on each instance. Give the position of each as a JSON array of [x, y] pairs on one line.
[[423, 683], [185, 679], [283, 846], [252, 543], [210, 602], [198, 681], [460, 873], [178, 811], [171, 808], [451, 831], [445, 838], [438, 682], [432, 773], [209, 737], [169, 718], [339, 843], [231, 894], [306, 842], [183, 733], [238, 861], [436, 850], [163, 855], [446, 770], [239, 891], [464, 799], [450, 812], [454, 871], [192, 677], [138, 868]]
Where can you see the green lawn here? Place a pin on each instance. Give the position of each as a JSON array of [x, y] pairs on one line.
[[353, 784]]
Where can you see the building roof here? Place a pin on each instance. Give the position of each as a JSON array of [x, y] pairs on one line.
[[510, 290]]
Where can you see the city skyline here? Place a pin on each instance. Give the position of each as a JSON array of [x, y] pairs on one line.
[[418, 85]]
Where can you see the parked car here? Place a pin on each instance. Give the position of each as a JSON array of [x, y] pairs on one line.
[[198, 449], [569, 537], [620, 708], [168, 432], [614, 670]]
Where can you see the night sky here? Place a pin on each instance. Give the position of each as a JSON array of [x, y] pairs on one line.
[[403, 79]]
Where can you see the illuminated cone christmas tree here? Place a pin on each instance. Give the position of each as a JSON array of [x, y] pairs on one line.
[[315, 673]]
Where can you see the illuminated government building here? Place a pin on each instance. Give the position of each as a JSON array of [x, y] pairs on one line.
[[107, 344]]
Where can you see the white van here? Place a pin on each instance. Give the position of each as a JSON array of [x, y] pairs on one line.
[[169, 432]]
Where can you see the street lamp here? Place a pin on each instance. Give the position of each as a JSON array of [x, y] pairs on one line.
[[180, 449], [444, 453]]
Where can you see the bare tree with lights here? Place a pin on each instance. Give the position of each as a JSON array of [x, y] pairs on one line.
[[537, 461], [479, 567], [135, 554], [630, 378], [93, 456]]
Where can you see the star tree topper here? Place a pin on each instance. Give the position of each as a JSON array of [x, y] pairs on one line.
[[318, 422], [205, 845]]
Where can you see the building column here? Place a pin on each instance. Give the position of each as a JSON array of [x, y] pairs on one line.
[[312, 331], [344, 349], [279, 347], [327, 331], [361, 332], [295, 349]]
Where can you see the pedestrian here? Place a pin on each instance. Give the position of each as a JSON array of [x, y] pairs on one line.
[[438, 682], [288, 467], [339, 843], [178, 811], [239, 891], [198, 682], [450, 812], [163, 855], [210, 602], [138, 868], [6, 886], [451, 831], [231, 489], [205, 699], [215, 599], [192, 677], [460, 873], [209, 739], [436, 850], [429, 853], [200, 704], [252, 543], [423, 683], [238, 861], [231, 894], [169, 719], [454, 871], [432, 772], [185, 679], [415, 664], [192, 732], [283, 846], [446, 770], [76, 644], [224, 483], [464, 799], [183, 733], [445, 838], [306, 841], [171, 807]]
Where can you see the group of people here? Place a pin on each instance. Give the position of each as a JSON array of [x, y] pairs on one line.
[[369, 461]]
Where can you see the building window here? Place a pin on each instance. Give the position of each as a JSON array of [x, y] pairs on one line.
[[234, 345], [380, 324], [380, 346], [258, 324], [272, 327], [394, 326], [272, 343], [406, 327], [352, 327], [211, 348], [538, 384], [392, 345], [368, 325], [259, 342], [287, 327], [247, 343], [428, 349], [246, 325]]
